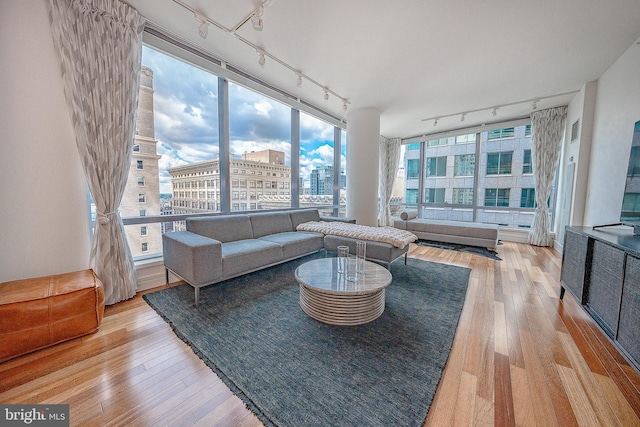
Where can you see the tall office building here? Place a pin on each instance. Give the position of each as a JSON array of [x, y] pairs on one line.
[[142, 194], [321, 181]]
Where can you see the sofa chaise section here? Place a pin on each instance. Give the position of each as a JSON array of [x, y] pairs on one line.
[[381, 252]]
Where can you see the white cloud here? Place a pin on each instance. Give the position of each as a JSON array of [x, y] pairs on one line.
[[263, 108], [313, 129], [325, 153]]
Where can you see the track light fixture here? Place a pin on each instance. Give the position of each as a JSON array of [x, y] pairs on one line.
[[261, 58], [494, 108], [256, 18], [203, 29]]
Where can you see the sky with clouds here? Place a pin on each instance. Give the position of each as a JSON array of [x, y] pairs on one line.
[[186, 120]]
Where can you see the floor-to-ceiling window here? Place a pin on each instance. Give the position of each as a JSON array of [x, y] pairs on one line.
[[484, 176], [175, 153], [260, 151], [177, 169], [318, 173]]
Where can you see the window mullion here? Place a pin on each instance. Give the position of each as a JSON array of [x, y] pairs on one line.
[[337, 172], [295, 158], [223, 141], [476, 179]]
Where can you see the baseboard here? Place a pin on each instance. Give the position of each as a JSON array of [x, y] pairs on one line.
[[517, 235]]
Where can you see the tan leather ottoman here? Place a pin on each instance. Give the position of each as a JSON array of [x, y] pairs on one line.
[[39, 312]]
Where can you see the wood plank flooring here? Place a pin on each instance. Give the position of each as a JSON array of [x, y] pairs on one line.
[[520, 357]]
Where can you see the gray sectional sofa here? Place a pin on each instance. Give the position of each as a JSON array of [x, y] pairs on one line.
[[217, 248], [466, 233]]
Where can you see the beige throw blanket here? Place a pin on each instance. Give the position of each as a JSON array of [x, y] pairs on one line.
[[393, 236]]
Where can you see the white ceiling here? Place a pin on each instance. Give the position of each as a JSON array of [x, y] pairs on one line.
[[418, 59]]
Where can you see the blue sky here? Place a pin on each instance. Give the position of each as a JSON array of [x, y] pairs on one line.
[[186, 120]]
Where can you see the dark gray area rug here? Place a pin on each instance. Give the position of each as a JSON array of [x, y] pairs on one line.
[[291, 370], [463, 248]]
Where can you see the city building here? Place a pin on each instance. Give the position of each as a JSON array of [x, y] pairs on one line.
[[142, 194], [196, 186], [321, 181]]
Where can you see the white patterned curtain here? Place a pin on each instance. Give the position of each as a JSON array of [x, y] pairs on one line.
[[389, 158], [100, 44], [547, 129]]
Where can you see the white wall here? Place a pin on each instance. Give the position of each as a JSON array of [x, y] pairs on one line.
[[43, 210], [578, 151], [617, 108]]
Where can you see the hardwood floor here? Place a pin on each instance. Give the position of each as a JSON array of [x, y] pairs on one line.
[[520, 357]]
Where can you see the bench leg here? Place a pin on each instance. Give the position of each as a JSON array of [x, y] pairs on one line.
[[405, 258], [197, 295], [562, 292]]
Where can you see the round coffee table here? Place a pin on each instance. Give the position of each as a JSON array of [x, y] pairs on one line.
[[328, 297]]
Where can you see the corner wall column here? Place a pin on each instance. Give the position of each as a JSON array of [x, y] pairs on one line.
[[363, 139]]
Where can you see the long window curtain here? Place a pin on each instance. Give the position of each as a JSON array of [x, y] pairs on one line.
[[100, 45], [389, 158], [547, 129]]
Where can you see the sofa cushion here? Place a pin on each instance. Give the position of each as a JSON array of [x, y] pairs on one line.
[[242, 256], [409, 215], [267, 223], [296, 243], [303, 215], [225, 228]]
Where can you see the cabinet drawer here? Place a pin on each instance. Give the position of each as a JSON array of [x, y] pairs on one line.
[[605, 285], [574, 260], [629, 326]]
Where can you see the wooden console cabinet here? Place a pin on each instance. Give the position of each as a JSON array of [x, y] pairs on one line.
[[601, 268]]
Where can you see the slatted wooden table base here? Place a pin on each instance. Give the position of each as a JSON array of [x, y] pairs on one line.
[[328, 297]]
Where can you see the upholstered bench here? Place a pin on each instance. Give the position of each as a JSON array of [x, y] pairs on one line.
[[39, 312], [465, 233]]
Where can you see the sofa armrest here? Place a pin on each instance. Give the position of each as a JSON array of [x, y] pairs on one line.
[[337, 219], [195, 258]]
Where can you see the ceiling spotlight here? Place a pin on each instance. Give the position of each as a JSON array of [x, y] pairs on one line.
[[299, 79], [435, 121], [462, 117], [495, 111], [256, 18], [326, 95], [261, 59], [203, 29], [534, 104], [344, 104]]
